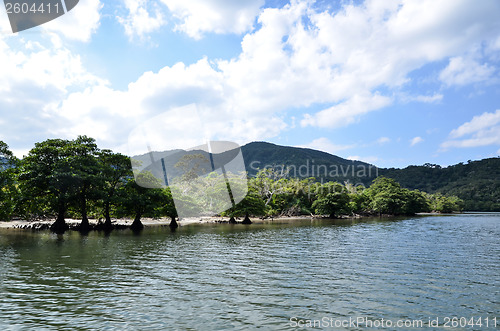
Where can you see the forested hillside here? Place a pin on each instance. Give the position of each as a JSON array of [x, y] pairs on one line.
[[477, 182]]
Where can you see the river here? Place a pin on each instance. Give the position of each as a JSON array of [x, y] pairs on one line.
[[268, 276]]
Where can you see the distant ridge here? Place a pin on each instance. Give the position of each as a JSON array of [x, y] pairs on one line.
[[477, 182], [306, 162]]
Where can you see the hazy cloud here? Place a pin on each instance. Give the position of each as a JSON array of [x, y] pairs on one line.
[[416, 140], [482, 130]]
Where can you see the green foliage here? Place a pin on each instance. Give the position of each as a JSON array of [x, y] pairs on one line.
[[138, 201], [386, 196], [332, 200], [115, 169], [75, 178], [251, 204], [9, 192], [443, 204], [477, 183], [46, 178]]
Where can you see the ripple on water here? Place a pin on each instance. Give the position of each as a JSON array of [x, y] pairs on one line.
[[241, 278]]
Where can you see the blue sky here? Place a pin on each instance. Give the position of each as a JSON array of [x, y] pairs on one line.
[[393, 83]]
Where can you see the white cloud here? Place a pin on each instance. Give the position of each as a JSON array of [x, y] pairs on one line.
[[346, 112], [119, 112], [416, 140], [35, 77], [383, 140], [325, 145], [482, 130], [478, 123], [201, 16], [436, 97], [463, 71], [140, 21], [79, 23], [298, 57]]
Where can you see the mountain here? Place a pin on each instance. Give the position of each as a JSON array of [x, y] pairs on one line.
[[299, 162], [306, 162], [477, 182]]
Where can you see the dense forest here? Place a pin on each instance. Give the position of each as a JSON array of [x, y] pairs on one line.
[[475, 182], [74, 178]]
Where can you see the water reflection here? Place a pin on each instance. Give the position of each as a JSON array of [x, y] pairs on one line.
[[236, 277]]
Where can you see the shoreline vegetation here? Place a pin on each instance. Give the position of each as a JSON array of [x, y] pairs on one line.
[[69, 184], [125, 223]]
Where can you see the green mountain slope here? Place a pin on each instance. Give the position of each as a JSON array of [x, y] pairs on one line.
[[477, 182], [305, 162]]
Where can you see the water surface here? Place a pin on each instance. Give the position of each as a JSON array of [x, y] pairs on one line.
[[246, 277]]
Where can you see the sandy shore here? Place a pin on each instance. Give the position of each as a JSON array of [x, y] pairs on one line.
[[21, 224]]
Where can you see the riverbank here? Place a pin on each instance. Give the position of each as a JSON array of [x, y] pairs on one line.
[[147, 222]]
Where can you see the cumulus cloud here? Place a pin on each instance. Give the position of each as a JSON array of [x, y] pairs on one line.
[[325, 145], [198, 17], [154, 94], [297, 58], [35, 78], [346, 112], [143, 17], [79, 23], [346, 63], [416, 140], [463, 71], [482, 130]]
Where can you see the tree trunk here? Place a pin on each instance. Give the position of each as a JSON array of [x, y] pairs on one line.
[[60, 226], [173, 224], [246, 220], [84, 225], [137, 224], [107, 223]]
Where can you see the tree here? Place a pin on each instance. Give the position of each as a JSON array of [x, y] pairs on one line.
[[270, 182], [416, 202], [8, 189], [138, 201], [442, 204], [82, 158], [115, 169], [252, 204], [332, 200], [46, 177], [386, 196]]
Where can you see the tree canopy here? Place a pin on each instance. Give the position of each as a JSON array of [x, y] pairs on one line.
[[74, 178]]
